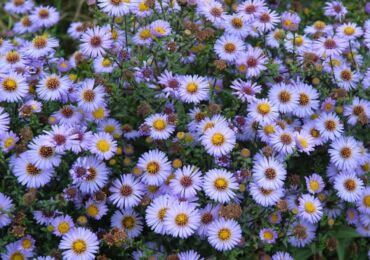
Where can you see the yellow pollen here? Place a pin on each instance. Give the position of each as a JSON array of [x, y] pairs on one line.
[[26, 244], [8, 142], [160, 30], [143, 7], [106, 63], [218, 139], [192, 88], [152, 167], [309, 207], [162, 213], [349, 31], [159, 124], [99, 113], [303, 142], [366, 201], [128, 222], [109, 129], [79, 246], [63, 227], [224, 234], [221, 183], [92, 210], [17, 256], [268, 235], [10, 85], [314, 185], [263, 108], [145, 34], [103, 145], [269, 129], [181, 219]]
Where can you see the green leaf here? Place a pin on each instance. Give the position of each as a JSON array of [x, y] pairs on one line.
[[301, 253]]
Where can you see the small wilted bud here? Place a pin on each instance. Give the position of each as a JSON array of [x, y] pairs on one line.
[[294, 179], [245, 152], [282, 205], [102, 257], [220, 64], [332, 244], [143, 109], [339, 93], [145, 201], [214, 108], [149, 3], [171, 46], [26, 134], [172, 119], [100, 196], [29, 197], [231, 211], [19, 217], [173, 257], [267, 151], [17, 231]]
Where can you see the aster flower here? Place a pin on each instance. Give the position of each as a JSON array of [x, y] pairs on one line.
[[156, 213], [14, 252], [160, 128], [245, 90], [314, 183], [229, 47], [346, 78], [310, 208], [29, 174], [89, 174], [363, 203], [220, 185], [42, 154], [79, 244], [268, 173], [251, 8], [290, 21], [262, 110], [218, 140], [126, 192], [181, 220], [193, 89], [265, 197], [40, 46], [95, 41], [329, 46], [236, 25], [344, 153], [187, 181], [90, 97], [329, 126], [358, 107], [103, 145], [155, 166], [268, 235], [301, 233], [62, 225], [266, 20], [160, 28], [18, 7], [115, 7], [224, 234], [13, 87], [95, 210], [45, 16], [348, 186], [335, 9], [282, 256], [208, 215], [6, 203], [252, 61]]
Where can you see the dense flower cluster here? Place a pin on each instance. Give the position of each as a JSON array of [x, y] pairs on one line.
[[184, 129]]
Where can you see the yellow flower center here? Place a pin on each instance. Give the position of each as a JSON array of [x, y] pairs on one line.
[[10, 85], [288, 22], [99, 113], [268, 235], [303, 142], [349, 31], [152, 167], [109, 129], [366, 201], [298, 40], [106, 63], [269, 129], [218, 139], [128, 222], [92, 210], [263, 108], [192, 87], [159, 124], [182, 219], [63, 227], [103, 145], [314, 185], [143, 7], [145, 34], [26, 244], [79, 246], [224, 234], [162, 213], [221, 183], [160, 30], [17, 256], [8, 142], [310, 207]]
